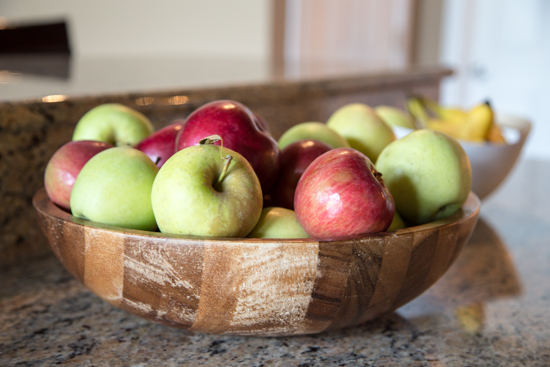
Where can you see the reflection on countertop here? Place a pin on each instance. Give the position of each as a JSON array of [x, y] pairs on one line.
[[28, 76], [491, 308], [483, 273], [19, 67], [35, 76]]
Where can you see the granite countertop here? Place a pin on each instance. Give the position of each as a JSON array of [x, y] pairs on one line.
[[492, 308]]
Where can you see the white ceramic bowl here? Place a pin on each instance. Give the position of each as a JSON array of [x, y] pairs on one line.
[[491, 163]]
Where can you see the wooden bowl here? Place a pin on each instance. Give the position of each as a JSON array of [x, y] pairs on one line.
[[255, 286]]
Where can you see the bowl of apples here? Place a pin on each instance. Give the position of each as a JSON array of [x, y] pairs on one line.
[[202, 239]]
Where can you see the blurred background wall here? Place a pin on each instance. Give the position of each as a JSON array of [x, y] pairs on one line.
[[238, 28], [499, 49]]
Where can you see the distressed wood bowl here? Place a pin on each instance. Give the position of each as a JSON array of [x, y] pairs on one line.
[[255, 286]]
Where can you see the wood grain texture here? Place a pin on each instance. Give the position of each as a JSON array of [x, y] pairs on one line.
[[255, 286]]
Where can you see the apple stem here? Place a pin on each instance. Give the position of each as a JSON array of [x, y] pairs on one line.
[[228, 159], [378, 176], [211, 140]]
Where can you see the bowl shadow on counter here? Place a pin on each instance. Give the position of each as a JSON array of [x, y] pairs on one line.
[[483, 272]]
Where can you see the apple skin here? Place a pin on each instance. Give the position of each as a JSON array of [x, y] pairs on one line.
[[394, 116], [342, 194], [312, 130], [278, 223], [362, 128], [240, 132], [115, 124], [295, 158], [262, 123], [65, 165], [188, 200], [428, 174], [396, 223], [161, 145], [114, 188]]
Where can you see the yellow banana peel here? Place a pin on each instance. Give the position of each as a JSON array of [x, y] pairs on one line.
[[476, 125], [417, 111], [495, 134], [447, 127], [445, 113]]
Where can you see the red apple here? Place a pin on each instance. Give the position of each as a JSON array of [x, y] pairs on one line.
[[240, 131], [161, 145], [262, 123], [342, 194], [65, 165], [295, 158]]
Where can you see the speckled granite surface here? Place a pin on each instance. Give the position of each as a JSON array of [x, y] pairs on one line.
[[31, 131], [492, 308], [62, 322]]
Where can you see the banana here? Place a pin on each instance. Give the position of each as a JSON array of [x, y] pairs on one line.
[[447, 127], [477, 124], [445, 120], [416, 109], [495, 134], [445, 113]]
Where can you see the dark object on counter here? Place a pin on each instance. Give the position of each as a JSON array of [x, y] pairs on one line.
[[39, 49], [35, 38]]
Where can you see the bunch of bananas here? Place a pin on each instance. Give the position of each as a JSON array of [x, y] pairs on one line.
[[477, 124]]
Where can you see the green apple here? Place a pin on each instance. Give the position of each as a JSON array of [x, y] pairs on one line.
[[312, 130], [114, 187], [394, 116], [362, 128], [199, 192], [113, 123], [428, 174], [278, 222], [396, 223]]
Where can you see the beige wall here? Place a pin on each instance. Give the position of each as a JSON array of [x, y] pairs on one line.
[[235, 28], [219, 28]]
